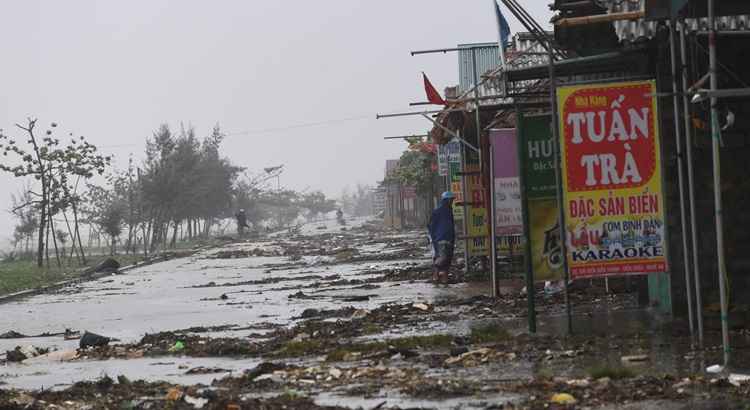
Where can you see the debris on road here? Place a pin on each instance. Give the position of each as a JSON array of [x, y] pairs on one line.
[[21, 353], [93, 340]]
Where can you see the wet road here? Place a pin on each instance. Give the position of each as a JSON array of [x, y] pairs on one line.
[[187, 292]]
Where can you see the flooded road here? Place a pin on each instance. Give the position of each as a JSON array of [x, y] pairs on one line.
[[341, 319], [205, 290]]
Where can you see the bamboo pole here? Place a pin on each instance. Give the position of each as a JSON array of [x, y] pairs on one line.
[[680, 176], [716, 154], [691, 186], [599, 18]]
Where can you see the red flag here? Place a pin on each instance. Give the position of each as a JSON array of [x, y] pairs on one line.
[[432, 95]]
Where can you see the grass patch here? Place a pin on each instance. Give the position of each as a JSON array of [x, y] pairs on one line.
[[612, 372], [22, 274], [297, 348], [489, 334]]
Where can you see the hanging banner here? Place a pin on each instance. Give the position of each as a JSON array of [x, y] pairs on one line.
[[612, 193], [479, 244], [450, 152], [507, 201], [453, 151], [442, 160], [537, 164]]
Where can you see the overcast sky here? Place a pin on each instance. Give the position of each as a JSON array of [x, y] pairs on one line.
[[264, 70]]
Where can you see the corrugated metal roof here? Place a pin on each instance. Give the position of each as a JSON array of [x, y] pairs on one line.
[[631, 31], [488, 58]]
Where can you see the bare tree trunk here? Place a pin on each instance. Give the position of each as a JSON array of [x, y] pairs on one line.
[[207, 227], [146, 228], [46, 244], [42, 226], [72, 235], [174, 235], [54, 240], [78, 235]]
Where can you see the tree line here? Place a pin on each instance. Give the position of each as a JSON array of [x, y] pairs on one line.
[[183, 189]]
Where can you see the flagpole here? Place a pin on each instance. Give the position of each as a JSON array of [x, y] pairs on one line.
[[500, 45]]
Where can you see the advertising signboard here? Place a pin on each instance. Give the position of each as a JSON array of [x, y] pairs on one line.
[[537, 164], [507, 201], [479, 244], [612, 179]]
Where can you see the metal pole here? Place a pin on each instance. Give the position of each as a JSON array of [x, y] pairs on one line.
[[527, 255], [464, 199], [493, 236], [451, 133], [680, 176], [691, 186], [715, 137], [558, 181], [478, 122]]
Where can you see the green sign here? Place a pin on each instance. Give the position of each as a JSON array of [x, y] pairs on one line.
[[537, 149], [540, 204]]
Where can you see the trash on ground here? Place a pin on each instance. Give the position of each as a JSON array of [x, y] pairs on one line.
[[177, 347], [93, 340], [563, 398]]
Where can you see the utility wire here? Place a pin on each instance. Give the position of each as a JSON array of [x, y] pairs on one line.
[[303, 125]]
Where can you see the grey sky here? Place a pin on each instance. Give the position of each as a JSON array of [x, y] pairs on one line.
[[114, 70]]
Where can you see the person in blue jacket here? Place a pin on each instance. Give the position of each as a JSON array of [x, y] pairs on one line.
[[443, 237]]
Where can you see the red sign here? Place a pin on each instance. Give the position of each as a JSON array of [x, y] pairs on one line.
[[611, 138]]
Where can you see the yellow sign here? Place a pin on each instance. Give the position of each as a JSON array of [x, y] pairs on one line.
[[478, 223]]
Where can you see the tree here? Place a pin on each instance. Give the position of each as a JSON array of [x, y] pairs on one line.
[[62, 238], [184, 180], [53, 165], [27, 219], [283, 206], [316, 203], [417, 168], [358, 202]]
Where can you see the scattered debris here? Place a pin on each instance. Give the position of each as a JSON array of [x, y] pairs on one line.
[[738, 380], [12, 334], [207, 370], [109, 265], [177, 347], [563, 398], [21, 353], [93, 340], [634, 358]]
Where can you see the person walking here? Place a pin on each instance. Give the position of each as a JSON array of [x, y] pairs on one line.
[[443, 237], [241, 222]]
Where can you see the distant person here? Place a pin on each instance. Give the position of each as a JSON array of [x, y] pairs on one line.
[[340, 217], [443, 237], [241, 222]]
